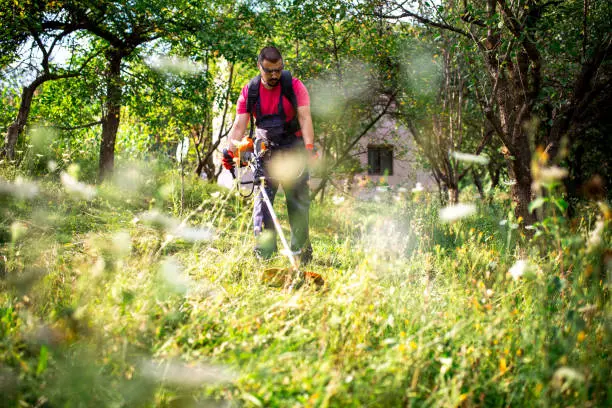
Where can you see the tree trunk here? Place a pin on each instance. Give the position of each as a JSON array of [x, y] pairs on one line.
[[514, 117], [16, 128], [210, 169], [478, 182], [442, 192], [519, 169], [453, 195], [111, 117]]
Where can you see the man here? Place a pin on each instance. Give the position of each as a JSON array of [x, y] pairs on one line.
[[281, 106]]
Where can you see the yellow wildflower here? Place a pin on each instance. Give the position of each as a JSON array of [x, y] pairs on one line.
[[538, 388], [503, 367]]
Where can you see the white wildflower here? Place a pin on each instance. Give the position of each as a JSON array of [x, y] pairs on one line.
[[518, 269], [565, 377], [446, 362], [595, 236], [337, 200], [471, 158], [418, 188], [75, 187], [455, 212]]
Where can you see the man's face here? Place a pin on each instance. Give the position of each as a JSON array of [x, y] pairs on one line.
[[271, 71]]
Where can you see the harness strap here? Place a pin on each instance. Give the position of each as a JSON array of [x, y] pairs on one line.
[[288, 91], [286, 82], [252, 98]]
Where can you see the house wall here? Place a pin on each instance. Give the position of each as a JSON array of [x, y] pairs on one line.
[[406, 171]]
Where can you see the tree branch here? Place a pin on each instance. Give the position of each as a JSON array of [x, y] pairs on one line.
[[70, 128], [423, 20]]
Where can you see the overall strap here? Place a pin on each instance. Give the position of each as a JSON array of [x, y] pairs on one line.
[[286, 81], [287, 90], [252, 97]]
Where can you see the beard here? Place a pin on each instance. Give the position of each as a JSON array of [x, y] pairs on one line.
[[273, 82]]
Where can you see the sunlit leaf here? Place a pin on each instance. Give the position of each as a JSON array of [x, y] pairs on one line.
[[537, 203]]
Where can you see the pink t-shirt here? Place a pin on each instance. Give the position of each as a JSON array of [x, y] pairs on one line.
[[268, 99]]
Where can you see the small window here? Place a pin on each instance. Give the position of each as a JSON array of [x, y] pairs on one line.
[[380, 160]]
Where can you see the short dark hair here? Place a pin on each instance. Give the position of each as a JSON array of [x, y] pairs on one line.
[[271, 54]]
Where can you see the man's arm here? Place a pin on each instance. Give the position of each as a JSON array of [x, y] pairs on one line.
[[305, 119], [237, 133]]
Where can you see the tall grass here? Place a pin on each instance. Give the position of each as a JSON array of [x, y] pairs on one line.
[[109, 302]]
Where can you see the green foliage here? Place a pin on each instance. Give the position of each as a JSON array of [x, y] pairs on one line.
[[7, 115]]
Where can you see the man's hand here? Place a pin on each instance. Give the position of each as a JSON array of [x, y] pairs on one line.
[[312, 151], [312, 155], [228, 160]]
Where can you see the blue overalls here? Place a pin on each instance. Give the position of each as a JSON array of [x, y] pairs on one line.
[[272, 129]]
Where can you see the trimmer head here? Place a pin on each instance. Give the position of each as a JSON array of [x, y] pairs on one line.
[[281, 278]]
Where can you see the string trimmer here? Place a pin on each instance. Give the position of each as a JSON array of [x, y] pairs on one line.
[[251, 155]]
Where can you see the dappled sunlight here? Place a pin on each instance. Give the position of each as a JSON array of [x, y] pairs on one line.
[[20, 188], [175, 65], [76, 188], [456, 212], [133, 177], [329, 97], [287, 167], [186, 375], [421, 71], [471, 158]]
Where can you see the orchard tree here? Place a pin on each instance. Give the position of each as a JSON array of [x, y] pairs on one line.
[[438, 106], [512, 46], [26, 27], [125, 30]]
